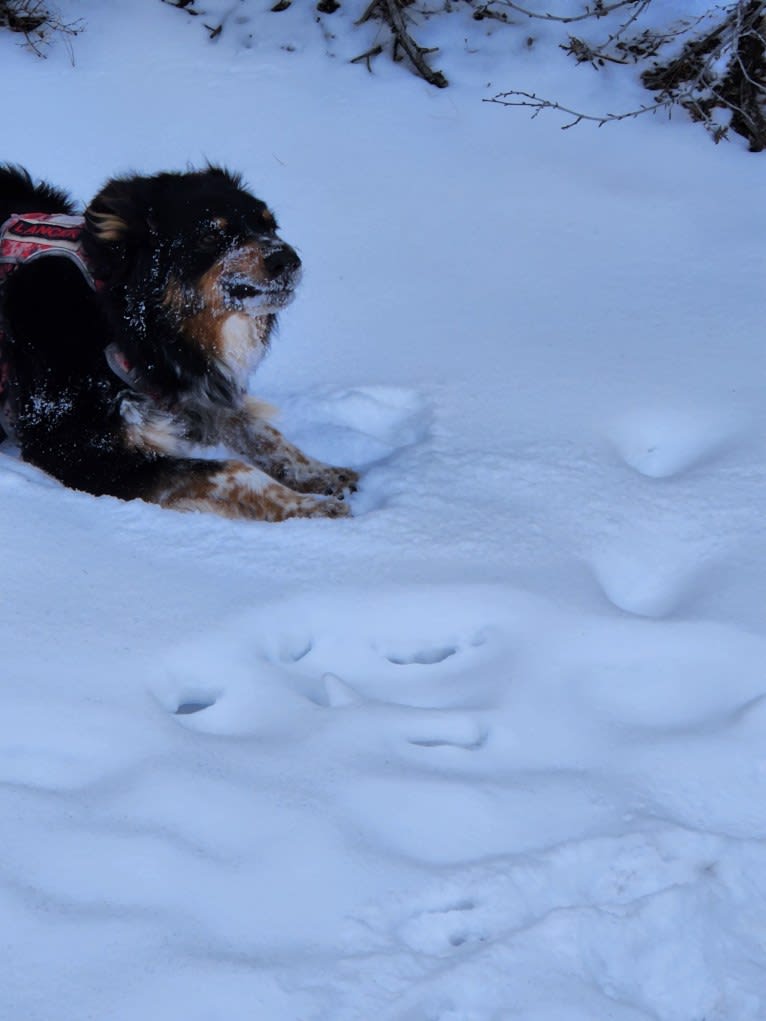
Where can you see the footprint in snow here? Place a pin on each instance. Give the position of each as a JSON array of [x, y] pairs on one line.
[[445, 729], [647, 579], [359, 426], [664, 443], [403, 650], [443, 931], [401, 646], [425, 657], [592, 890], [197, 705]]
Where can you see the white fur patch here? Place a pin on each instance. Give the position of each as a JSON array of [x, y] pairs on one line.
[[242, 344], [237, 475], [149, 428]]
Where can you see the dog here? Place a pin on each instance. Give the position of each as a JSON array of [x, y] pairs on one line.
[[128, 335]]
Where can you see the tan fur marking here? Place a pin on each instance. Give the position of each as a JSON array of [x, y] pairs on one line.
[[203, 327], [107, 226], [260, 410]]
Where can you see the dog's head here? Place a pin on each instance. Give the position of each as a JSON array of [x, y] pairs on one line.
[[194, 255]]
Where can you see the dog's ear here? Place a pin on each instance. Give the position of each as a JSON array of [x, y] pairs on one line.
[[121, 214]]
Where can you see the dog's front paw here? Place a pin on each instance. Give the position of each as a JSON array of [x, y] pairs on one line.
[[315, 507], [322, 479], [337, 481]]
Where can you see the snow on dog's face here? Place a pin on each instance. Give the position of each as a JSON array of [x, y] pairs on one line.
[[230, 306], [205, 256]]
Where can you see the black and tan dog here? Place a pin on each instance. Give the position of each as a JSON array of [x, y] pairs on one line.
[[128, 336]]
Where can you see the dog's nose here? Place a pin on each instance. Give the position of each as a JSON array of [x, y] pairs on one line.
[[281, 261]]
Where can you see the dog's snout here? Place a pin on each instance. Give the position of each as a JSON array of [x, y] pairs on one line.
[[281, 261], [240, 290]]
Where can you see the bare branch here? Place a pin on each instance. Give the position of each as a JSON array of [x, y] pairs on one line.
[[599, 9], [722, 68], [537, 104], [390, 12], [36, 22], [711, 65]]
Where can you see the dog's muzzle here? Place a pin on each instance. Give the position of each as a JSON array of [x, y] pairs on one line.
[[269, 288]]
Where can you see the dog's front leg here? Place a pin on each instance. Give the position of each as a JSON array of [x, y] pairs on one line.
[[255, 439], [234, 490]]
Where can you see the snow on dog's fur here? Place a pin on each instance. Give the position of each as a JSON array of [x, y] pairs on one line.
[[111, 388]]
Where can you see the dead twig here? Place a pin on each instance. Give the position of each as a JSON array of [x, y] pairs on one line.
[[182, 5], [367, 57], [37, 23], [390, 12], [369, 11]]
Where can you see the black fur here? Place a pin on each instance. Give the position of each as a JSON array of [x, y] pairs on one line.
[[159, 247], [20, 194]]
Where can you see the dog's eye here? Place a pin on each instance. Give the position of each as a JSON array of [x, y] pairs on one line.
[[210, 239]]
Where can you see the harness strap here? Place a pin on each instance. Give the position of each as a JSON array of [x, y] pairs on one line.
[[122, 368]]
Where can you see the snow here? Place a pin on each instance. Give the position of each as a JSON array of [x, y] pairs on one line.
[[493, 748]]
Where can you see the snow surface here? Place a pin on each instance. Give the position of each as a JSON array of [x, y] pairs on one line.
[[493, 748]]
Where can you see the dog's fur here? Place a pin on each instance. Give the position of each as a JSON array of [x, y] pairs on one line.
[[191, 276]]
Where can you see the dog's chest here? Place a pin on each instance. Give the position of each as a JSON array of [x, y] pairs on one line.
[[242, 343]]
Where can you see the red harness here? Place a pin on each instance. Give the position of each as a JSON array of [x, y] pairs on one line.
[[28, 236], [23, 238]]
